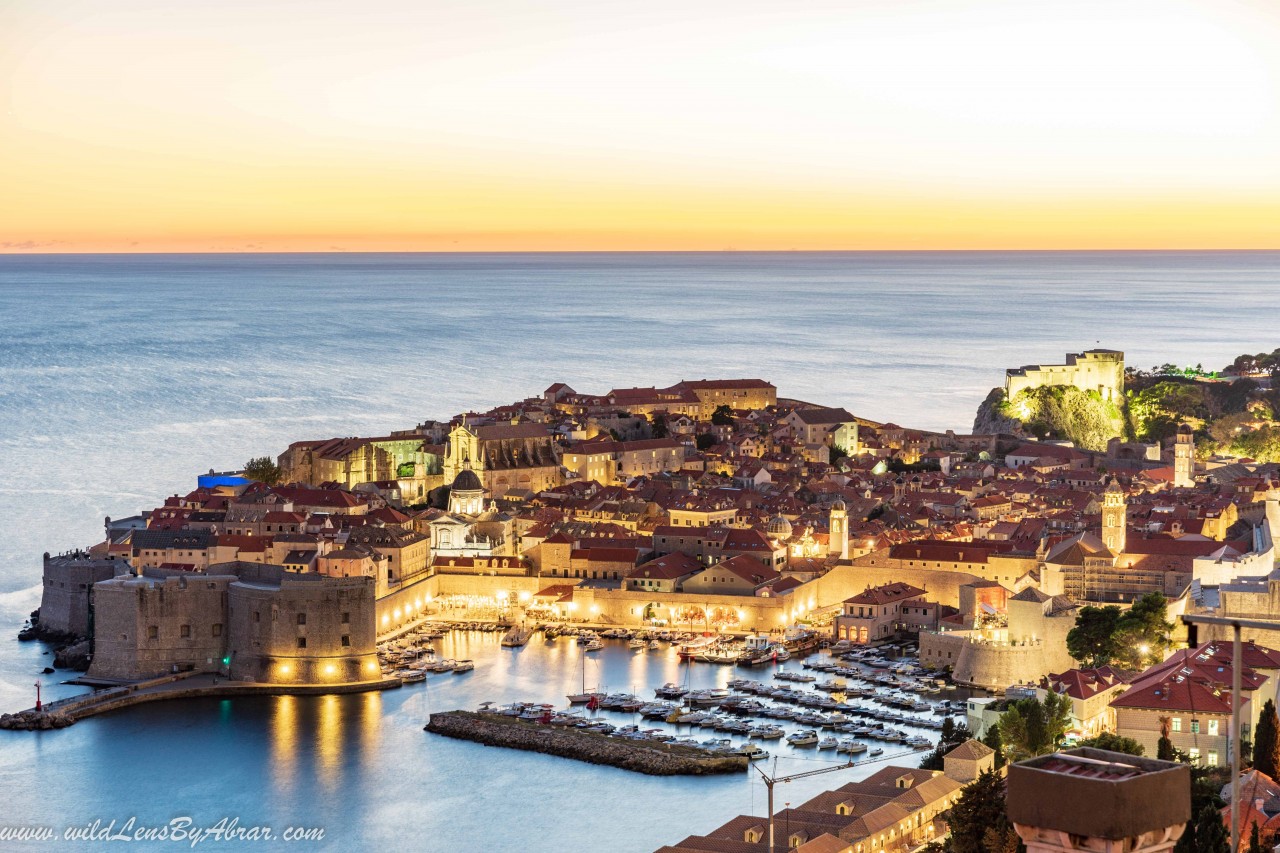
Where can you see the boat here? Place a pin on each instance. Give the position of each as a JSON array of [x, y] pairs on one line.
[[517, 636], [857, 749], [654, 646], [805, 738], [586, 636], [670, 690], [637, 645], [411, 676], [464, 666], [828, 743], [446, 665], [751, 752], [593, 645], [877, 751], [586, 697]]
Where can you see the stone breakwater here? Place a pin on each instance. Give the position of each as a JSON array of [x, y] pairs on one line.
[[655, 759]]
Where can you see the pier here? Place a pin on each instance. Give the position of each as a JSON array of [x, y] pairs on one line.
[[655, 759], [64, 712]]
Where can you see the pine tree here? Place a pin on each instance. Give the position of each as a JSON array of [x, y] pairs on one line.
[[1164, 750], [992, 739], [1255, 843], [1211, 831], [1266, 747], [980, 808]]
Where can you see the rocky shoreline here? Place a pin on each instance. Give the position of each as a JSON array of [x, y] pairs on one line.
[[655, 759], [34, 721], [70, 651]]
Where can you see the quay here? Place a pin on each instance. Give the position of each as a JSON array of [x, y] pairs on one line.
[[655, 759], [64, 712]]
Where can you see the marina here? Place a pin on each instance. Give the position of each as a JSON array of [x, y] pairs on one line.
[[867, 701]]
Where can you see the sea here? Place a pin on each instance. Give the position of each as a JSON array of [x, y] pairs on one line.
[[122, 377]]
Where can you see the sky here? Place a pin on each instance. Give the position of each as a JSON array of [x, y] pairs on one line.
[[402, 125]]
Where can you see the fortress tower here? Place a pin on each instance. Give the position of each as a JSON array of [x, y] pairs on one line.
[[1184, 458]]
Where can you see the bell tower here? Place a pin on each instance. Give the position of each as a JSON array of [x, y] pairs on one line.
[[1114, 517], [838, 531], [1184, 458]]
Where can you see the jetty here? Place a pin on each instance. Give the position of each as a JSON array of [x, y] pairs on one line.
[[653, 758], [63, 712]]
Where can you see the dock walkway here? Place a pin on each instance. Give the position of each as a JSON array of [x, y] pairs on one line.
[[187, 685]]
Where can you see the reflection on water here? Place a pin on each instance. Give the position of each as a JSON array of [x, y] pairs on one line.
[[284, 743], [361, 765]]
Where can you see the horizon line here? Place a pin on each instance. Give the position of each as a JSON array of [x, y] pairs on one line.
[[913, 251]]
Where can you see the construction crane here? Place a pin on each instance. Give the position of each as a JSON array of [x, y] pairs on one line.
[[770, 781]]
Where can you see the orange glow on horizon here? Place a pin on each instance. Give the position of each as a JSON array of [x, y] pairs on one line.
[[876, 125]]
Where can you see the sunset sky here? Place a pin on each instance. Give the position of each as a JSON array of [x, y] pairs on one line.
[[154, 125]]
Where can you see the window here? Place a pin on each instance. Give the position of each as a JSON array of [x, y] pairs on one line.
[[346, 618], [153, 632], [302, 642], [1212, 758], [256, 616], [1194, 755], [302, 618], [346, 640], [1176, 724], [1213, 727], [217, 629], [184, 631], [1195, 727]]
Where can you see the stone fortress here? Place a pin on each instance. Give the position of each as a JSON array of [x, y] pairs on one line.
[[1100, 370]]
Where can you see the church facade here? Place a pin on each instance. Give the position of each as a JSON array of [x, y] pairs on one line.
[[505, 457]]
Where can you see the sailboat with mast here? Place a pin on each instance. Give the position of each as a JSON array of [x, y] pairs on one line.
[[585, 697]]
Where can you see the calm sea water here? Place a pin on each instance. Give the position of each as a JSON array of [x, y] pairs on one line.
[[121, 377]]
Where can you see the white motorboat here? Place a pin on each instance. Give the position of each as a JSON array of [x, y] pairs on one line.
[[805, 738], [751, 752]]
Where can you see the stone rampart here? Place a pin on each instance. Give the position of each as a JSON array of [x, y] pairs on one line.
[[655, 759]]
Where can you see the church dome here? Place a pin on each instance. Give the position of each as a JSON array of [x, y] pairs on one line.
[[466, 481], [839, 505], [779, 527]]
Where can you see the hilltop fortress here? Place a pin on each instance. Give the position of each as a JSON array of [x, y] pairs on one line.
[[1100, 370]]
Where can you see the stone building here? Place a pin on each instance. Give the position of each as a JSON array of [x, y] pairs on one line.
[[353, 461], [609, 462], [1099, 370], [994, 657], [968, 761], [881, 612], [68, 581], [505, 457], [1187, 698], [245, 620]]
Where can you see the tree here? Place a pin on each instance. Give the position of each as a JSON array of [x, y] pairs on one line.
[[950, 737], [1164, 749], [722, 416], [658, 429], [992, 739], [704, 440], [1093, 639], [263, 469], [1266, 747], [1255, 843], [979, 808], [1211, 831], [1142, 633], [1114, 743], [1031, 727]]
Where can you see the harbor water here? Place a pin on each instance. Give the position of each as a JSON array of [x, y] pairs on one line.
[[123, 377]]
